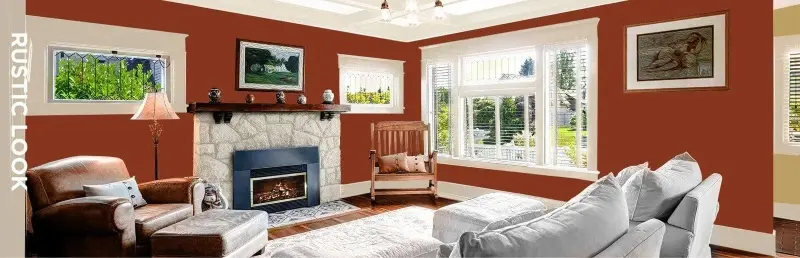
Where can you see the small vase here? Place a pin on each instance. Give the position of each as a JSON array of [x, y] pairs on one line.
[[280, 97], [250, 98], [327, 97], [214, 95], [301, 99]]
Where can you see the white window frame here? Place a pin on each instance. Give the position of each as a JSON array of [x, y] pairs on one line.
[[47, 33], [539, 39], [783, 47], [350, 63]]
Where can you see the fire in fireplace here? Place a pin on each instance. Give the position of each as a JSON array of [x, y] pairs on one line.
[[277, 189]]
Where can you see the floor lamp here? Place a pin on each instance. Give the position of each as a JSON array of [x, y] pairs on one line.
[[155, 107]]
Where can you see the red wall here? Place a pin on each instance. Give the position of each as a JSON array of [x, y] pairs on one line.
[[211, 53], [728, 132]]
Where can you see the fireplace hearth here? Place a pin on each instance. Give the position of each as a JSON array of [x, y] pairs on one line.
[[276, 179]]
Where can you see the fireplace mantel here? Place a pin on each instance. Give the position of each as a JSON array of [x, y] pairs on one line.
[[223, 112]]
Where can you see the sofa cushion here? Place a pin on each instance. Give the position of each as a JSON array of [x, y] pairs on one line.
[[628, 172], [152, 217], [655, 194], [583, 227], [213, 233], [127, 189], [64, 179]]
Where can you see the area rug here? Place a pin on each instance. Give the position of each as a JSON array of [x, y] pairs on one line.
[[289, 217], [400, 233]]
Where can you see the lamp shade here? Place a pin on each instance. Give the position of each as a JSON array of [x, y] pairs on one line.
[[155, 107]]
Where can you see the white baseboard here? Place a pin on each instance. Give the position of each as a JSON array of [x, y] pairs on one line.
[[745, 240], [787, 211], [736, 238]]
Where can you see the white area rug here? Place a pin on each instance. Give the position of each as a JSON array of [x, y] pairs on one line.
[[289, 217], [401, 233]]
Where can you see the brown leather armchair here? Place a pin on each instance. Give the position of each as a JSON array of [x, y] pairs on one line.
[[68, 223]]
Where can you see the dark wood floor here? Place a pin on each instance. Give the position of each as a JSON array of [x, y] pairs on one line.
[[390, 203]]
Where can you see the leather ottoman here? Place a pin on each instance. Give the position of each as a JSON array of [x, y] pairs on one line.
[[214, 233]]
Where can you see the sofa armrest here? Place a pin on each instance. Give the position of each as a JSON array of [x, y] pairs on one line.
[[96, 214], [175, 190], [698, 209], [642, 241]]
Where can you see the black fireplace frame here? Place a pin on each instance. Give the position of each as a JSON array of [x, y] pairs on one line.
[[251, 164]]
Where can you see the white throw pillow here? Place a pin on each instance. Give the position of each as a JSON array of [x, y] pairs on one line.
[[524, 216], [627, 173], [655, 194], [583, 227], [126, 188]]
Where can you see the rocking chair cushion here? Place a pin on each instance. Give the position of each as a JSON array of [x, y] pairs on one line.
[[392, 163], [416, 164]]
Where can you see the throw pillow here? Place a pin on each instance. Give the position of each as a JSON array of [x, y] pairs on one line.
[[626, 173], [655, 194], [583, 227], [417, 164], [126, 188], [392, 163]]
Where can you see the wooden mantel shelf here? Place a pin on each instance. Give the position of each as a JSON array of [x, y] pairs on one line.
[[224, 111]]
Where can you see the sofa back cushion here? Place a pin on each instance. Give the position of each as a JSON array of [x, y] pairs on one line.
[[655, 194], [583, 227], [64, 179]]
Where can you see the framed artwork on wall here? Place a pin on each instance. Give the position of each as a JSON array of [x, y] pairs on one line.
[[686, 54], [269, 67]]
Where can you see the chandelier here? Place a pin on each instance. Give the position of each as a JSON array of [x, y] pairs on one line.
[[412, 8]]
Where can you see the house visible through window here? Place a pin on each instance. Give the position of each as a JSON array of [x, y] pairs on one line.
[[509, 112], [793, 94], [105, 76], [371, 85]]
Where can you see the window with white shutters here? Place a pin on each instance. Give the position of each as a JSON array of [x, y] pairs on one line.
[[441, 81], [793, 98], [566, 123]]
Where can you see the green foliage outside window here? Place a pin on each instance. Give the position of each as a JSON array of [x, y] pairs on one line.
[[795, 124], [362, 96], [90, 79]]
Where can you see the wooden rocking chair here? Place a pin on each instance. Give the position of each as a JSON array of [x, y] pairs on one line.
[[390, 137]]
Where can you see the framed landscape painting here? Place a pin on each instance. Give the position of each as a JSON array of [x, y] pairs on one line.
[[268, 66], [687, 54]]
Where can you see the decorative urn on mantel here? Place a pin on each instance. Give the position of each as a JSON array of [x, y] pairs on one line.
[[223, 112]]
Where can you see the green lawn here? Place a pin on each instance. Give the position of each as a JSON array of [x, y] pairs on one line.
[[566, 136], [276, 78]]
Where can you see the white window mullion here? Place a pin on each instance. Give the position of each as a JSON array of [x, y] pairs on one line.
[[578, 107], [527, 128], [541, 99]]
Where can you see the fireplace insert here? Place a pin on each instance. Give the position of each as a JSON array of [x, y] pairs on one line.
[[276, 179]]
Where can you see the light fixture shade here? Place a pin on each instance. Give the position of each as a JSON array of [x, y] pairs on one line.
[[386, 14], [413, 19], [438, 10], [155, 107]]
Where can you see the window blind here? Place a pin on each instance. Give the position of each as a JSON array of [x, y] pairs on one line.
[[793, 130], [441, 78], [566, 123]]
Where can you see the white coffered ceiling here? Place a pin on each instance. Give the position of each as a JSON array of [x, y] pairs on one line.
[[363, 16]]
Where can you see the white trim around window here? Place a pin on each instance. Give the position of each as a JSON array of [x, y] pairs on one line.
[[784, 46], [382, 71], [48, 33], [540, 40]]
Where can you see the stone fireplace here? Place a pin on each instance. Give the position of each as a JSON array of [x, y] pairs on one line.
[[215, 144]]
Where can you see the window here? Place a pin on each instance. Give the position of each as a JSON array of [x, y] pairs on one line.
[[524, 102], [371, 85], [90, 75], [786, 91], [793, 99]]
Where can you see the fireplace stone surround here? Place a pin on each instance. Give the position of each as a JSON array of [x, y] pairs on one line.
[[216, 143]]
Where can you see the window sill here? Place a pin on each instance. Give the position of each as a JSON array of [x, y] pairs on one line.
[[787, 149], [370, 109], [565, 172]]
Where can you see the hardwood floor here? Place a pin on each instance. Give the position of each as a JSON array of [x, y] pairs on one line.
[[390, 203]]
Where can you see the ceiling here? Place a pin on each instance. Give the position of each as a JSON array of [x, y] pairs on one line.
[[363, 16]]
